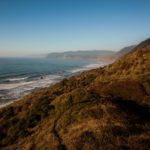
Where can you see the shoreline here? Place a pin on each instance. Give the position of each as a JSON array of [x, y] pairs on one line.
[[54, 81]]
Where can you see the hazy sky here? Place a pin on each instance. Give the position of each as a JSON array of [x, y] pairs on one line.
[[42, 26]]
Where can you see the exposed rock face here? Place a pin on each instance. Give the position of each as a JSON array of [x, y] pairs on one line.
[[101, 109]]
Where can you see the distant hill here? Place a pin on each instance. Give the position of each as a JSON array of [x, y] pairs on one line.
[[107, 108], [124, 51], [93, 54]]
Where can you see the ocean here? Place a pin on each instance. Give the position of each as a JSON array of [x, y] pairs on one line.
[[21, 76]]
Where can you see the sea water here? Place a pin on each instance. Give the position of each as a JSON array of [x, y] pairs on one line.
[[20, 76]]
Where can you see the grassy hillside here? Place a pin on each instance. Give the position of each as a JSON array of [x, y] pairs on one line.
[[123, 51], [101, 109]]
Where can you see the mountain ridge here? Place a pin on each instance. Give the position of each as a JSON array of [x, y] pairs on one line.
[[124, 51], [80, 54]]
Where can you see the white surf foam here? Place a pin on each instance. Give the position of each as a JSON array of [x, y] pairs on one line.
[[12, 91], [88, 67], [9, 86], [39, 82], [16, 79]]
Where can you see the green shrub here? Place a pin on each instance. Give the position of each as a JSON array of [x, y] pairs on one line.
[[8, 113]]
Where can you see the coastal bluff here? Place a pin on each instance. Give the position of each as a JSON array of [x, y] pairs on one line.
[[107, 108]]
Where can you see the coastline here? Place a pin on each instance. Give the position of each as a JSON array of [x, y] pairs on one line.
[[49, 81]]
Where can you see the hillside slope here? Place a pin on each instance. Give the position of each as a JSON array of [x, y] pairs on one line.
[[123, 51], [101, 109]]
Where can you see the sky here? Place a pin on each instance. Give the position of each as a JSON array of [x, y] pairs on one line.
[[35, 27]]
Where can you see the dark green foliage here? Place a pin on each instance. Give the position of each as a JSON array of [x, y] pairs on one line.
[[138, 112], [8, 113], [20, 126], [40, 110], [32, 120], [87, 140], [2, 135]]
